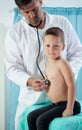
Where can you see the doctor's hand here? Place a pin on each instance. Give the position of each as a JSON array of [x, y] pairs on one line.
[[37, 84]]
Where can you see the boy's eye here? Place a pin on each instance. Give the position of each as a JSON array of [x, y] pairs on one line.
[[56, 46], [47, 45]]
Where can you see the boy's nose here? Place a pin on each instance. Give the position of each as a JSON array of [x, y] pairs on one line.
[[51, 49]]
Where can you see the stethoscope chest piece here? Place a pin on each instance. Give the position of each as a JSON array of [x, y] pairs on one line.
[[47, 82]]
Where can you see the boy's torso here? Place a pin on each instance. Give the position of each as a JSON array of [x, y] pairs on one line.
[[57, 91]]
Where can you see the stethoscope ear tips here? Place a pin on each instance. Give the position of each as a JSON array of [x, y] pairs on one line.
[[47, 82]]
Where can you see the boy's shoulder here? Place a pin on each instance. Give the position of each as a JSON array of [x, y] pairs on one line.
[[62, 62]]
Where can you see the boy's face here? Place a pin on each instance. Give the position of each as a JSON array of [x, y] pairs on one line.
[[32, 12], [53, 46]]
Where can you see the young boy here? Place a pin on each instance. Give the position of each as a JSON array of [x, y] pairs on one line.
[[62, 84]]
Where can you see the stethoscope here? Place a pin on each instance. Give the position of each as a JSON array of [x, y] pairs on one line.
[[47, 82]]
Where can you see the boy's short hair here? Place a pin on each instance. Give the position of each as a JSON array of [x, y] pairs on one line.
[[55, 31]]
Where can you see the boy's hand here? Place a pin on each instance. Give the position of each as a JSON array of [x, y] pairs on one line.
[[67, 112]]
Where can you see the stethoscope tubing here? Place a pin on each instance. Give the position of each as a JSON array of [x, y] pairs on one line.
[[39, 46], [47, 82]]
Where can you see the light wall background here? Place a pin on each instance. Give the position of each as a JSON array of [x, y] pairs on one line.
[[6, 21]]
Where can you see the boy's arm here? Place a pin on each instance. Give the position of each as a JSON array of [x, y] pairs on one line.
[[69, 79]]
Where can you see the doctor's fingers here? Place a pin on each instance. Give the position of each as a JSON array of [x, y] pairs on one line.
[[39, 87], [36, 86]]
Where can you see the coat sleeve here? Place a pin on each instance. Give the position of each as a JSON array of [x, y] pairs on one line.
[[13, 60]]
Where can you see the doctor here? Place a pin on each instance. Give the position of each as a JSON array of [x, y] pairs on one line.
[[21, 52]]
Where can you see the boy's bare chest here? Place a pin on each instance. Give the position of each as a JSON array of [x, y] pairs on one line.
[[55, 76], [52, 71]]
